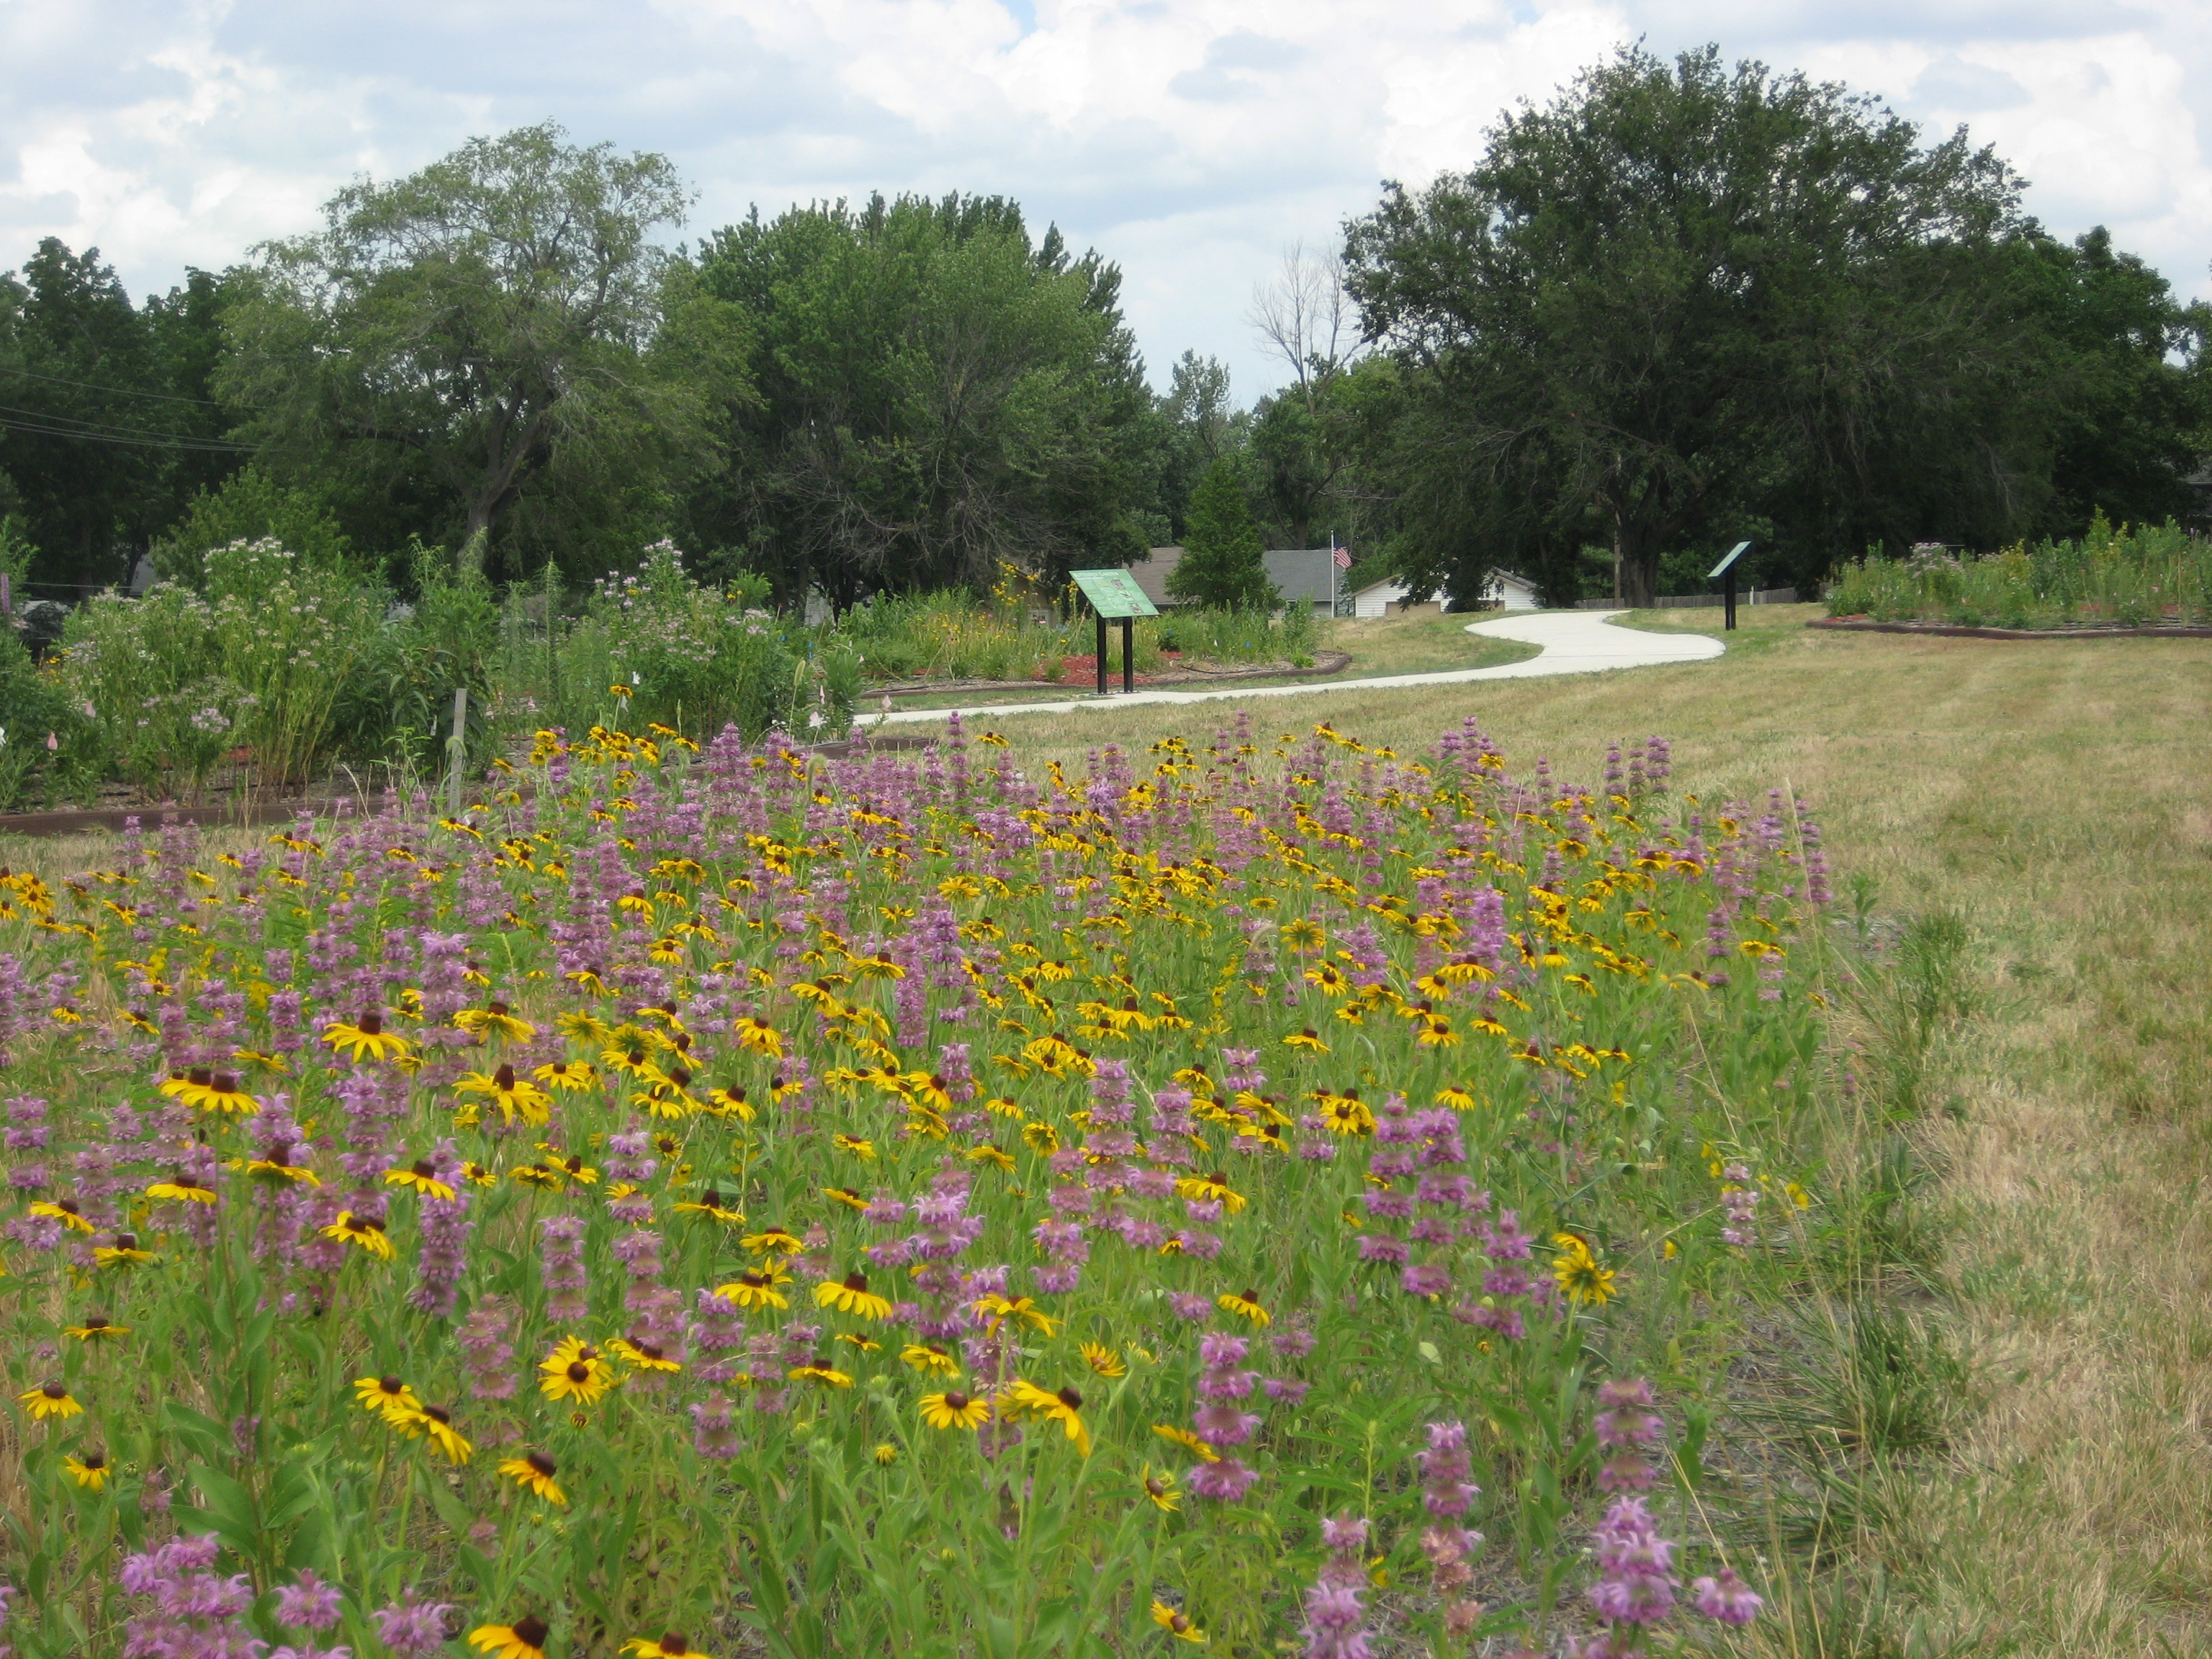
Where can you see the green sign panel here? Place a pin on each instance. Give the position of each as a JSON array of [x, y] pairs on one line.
[[1113, 593], [1720, 570]]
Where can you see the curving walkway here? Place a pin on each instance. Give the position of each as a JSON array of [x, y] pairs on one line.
[[1574, 643]]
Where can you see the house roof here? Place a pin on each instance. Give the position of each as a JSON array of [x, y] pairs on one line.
[[1299, 573]]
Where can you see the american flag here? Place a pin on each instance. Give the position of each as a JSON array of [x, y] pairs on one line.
[[1343, 557]]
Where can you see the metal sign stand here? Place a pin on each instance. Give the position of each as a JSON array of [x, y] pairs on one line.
[[1115, 597], [1727, 568]]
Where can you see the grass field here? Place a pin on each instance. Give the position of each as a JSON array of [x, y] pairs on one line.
[[2052, 798]]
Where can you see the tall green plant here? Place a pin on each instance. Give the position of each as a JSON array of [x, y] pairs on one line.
[[1221, 564]]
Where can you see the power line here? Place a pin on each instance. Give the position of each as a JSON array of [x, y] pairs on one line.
[[212, 445], [119, 391], [77, 423]]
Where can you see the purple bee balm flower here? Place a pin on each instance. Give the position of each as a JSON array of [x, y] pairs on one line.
[[412, 1630], [1189, 1305], [1425, 1279], [1726, 1598], [1222, 1482], [308, 1604]]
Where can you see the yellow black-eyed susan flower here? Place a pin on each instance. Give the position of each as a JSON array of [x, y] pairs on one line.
[[91, 1471], [64, 1210], [710, 1204], [851, 1295], [182, 1188], [773, 1241], [124, 1253], [48, 1400], [274, 1168], [223, 1094], [1213, 1188], [645, 1356], [929, 1360], [1583, 1279], [1020, 1308], [387, 1395], [437, 1423], [572, 1075], [1040, 1138], [854, 1144], [1064, 1407], [671, 1644], [757, 1035], [495, 1019], [582, 1375], [993, 1154], [1103, 1360], [728, 1100], [365, 1231], [954, 1410], [1245, 1304], [533, 1472], [753, 1290], [96, 1328], [1307, 1039], [420, 1177], [819, 1369], [365, 1038], [1189, 1441], [1173, 1622], [523, 1639], [514, 1097], [845, 1196], [1160, 1490], [476, 1175]]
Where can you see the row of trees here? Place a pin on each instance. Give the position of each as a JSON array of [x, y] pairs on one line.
[[1680, 305]]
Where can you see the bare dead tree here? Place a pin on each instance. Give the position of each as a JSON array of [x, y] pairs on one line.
[[1305, 317]]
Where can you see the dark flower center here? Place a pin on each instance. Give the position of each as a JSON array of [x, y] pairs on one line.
[[1251, 1296], [201, 1075], [66, 1205], [673, 1644], [579, 1371], [126, 1241], [391, 1385], [94, 1460], [650, 1350], [504, 1078], [542, 1465], [531, 1630], [857, 1281], [679, 1075], [372, 1025], [54, 1391], [424, 1168], [711, 1198], [956, 1400], [1071, 1399], [497, 1010], [439, 1415], [225, 1083], [95, 1321]]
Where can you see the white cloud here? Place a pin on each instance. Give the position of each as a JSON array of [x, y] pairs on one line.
[[1189, 140]]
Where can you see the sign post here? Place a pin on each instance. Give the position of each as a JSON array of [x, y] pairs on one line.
[[1727, 568], [1115, 597]]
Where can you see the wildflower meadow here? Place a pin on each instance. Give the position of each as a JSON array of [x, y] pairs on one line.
[[1270, 1194]]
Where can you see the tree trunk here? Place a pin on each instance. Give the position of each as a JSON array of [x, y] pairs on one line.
[[1636, 564]]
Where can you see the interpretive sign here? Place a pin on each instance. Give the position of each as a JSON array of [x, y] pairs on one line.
[[1727, 568], [1113, 594]]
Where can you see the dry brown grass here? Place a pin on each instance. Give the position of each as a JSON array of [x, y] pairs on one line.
[[2056, 793]]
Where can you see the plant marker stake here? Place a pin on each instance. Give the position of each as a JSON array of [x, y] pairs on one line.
[[457, 750]]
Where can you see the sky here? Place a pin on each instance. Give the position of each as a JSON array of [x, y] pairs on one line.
[[1192, 141]]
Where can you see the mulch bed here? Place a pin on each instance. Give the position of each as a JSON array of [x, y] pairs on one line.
[[1960, 630]]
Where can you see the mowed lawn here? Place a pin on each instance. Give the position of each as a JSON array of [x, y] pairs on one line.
[[2056, 796]]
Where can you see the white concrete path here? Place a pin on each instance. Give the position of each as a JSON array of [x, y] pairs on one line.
[[1574, 642]]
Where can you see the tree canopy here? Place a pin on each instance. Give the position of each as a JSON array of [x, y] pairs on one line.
[[474, 340], [926, 393]]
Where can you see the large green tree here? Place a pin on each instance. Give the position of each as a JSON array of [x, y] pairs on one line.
[[1673, 291], [1221, 564], [106, 420], [928, 393], [477, 350]]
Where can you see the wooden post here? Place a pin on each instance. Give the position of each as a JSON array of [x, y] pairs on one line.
[[1101, 651], [1128, 653], [1730, 623], [457, 750]]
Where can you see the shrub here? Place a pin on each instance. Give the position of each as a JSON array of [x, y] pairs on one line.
[[36, 709], [2124, 576]]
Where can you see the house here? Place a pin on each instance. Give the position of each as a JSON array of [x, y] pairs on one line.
[[1505, 589], [1301, 574]]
